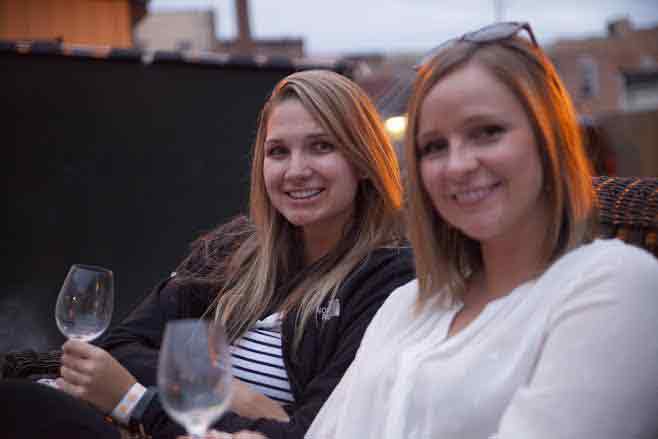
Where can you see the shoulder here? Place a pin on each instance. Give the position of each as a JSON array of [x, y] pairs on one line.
[[377, 275], [383, 265], [605, 273], [394, 256], [226, 235], [396, 313], [611, 257], [212, 248], [404, 297]]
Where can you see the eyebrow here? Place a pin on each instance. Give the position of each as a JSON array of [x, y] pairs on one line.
[[320, 135], [481, 117], [477, 118]]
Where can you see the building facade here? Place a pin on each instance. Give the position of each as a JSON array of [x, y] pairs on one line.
[[88, 22], [196, 30], [601, 73], [179, 30]]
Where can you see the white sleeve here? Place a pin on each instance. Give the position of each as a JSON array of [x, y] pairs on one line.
[[597, 373]]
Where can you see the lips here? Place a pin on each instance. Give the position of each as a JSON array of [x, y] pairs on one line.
[[304, 194], [474, 195]]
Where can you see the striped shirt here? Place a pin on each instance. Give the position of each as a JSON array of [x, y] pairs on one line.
[[257, 360]]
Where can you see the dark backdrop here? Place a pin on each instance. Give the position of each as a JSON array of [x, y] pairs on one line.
[[114, 163]]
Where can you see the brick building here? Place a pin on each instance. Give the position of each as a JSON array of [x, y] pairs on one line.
[[245, 44], [614, 80], [195, 30], [177, 30], [88, 22], [611, 73]]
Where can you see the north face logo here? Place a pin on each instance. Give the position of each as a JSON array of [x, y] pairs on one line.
[[332, 309]]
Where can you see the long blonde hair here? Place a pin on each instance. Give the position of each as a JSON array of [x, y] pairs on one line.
[[266, 255], [444, 255]]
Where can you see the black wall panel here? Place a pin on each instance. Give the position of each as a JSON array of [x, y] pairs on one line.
[[114, 163]]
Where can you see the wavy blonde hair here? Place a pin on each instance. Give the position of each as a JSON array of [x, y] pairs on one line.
[[444, 255], [267, 254]]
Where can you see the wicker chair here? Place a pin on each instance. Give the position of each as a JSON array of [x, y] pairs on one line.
[[628, 210]]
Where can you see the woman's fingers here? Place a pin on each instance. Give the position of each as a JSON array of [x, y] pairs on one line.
[[73, 377], [69, 388], [78, 356], [77, 348], [75, 363], [92, 374]]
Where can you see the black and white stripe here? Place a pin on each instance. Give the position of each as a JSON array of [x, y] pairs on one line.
[[257, 360]]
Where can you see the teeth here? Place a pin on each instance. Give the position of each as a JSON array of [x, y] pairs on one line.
[[300, 195], [473, 196]]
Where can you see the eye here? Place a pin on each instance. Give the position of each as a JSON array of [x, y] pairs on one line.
[[488, 133], [276, 151], [433, 147], [323, 147]]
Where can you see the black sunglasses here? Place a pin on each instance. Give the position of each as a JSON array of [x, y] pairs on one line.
[[488, 34]]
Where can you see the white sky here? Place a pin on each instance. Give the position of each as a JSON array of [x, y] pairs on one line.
[[353, 26]]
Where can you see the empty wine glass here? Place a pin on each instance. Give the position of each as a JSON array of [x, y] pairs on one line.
[[85, 302], [194, 374]]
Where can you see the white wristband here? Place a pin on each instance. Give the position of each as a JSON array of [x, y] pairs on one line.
[[121, 412]]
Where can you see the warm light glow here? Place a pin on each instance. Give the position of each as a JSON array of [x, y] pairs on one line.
[[396, 126]]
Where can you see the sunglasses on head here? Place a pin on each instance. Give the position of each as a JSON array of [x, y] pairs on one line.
[[489, 34]]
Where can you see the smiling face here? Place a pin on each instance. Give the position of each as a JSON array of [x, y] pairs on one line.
[[308, 180], [478, 158]]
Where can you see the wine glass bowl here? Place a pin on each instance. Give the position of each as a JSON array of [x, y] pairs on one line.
[[194, 374], [85, 302]]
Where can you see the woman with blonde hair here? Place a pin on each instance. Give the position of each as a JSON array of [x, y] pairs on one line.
[[295, 283], [518, 325]]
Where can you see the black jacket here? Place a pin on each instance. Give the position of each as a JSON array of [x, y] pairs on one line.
[[326, 349]]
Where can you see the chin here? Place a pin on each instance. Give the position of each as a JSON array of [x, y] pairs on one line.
[[479, 233], [299, 220], [296, 222]]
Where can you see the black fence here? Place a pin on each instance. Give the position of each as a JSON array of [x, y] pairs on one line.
[[117, 162]]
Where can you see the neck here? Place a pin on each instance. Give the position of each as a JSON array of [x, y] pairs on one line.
[[512, 260], [320, 238], [508, 265], [318, 243]]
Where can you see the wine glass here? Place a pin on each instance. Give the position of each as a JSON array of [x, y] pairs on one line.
[[85, 302], [194, 374]]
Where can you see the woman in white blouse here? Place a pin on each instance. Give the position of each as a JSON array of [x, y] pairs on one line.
[[517, 326]]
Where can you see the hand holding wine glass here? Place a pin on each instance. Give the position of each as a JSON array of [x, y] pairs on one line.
[[194, 374], [85, 302], [83, 312]]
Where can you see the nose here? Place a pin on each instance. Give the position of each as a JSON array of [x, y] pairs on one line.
[[461, 162], [298, 166]]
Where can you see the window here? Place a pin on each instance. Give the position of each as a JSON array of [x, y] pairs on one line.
[[589, 77]]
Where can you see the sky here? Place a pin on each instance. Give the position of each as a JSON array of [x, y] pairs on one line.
[[331, 27]]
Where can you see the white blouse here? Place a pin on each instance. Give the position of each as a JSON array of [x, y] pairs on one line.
[[572, 354]]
